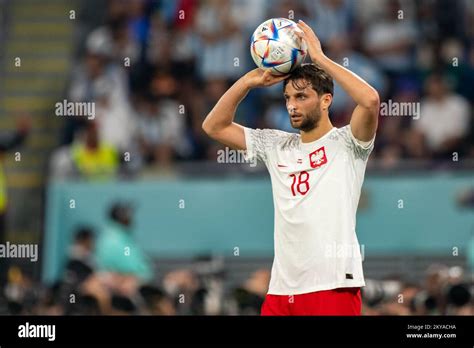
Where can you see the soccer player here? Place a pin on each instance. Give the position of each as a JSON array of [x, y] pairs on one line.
[[316, 181]]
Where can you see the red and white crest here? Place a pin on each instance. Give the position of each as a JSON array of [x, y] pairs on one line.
[[318, 157]]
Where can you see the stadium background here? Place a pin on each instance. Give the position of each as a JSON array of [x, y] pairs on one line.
[[202, 232]]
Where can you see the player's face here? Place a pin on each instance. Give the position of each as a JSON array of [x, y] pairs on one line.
[[303, 105]]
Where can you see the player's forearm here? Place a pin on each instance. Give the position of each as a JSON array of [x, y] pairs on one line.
[[223, 113], [359, 90]]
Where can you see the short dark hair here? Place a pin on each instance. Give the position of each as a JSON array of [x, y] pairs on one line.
[[83, 233], [120, 209], [320, 80]]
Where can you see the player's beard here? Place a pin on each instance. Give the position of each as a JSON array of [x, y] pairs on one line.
[[308, 122]]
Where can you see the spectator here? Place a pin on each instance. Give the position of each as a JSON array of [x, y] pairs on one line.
[[168, 119], [331, 18], [81, 261], [445, 117], [116, 40], [117, 251], [93, 159], [250, 296], [390, 39], [184, 287], [157, 302], [114, 117], [221, 47]]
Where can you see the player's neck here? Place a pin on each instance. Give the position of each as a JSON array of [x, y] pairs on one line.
[[321, 130]]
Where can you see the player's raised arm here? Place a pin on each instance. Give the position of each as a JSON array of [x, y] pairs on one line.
[[364, 119], [219, 123]]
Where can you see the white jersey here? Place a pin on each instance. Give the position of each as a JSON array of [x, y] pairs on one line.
[[316, 189]]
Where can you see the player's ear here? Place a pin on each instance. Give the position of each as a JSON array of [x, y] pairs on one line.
[[326, 101]]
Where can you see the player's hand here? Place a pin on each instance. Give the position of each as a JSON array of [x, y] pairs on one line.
[[314, 45], [262, 78]]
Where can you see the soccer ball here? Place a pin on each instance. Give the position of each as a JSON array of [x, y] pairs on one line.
[[275, 46]]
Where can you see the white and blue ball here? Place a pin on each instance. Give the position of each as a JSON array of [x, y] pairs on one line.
[[275, 46]]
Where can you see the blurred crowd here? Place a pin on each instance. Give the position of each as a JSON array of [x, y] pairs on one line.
[[154, 69], [200, 291], [444, 291], [107, 273]]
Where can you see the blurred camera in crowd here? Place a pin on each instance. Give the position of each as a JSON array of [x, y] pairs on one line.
[[446, 291]]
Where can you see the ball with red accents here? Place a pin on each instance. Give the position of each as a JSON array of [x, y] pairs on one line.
[[275, 46]]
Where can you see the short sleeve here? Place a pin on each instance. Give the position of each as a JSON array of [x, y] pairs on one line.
[[259, 141], [360, 149]]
